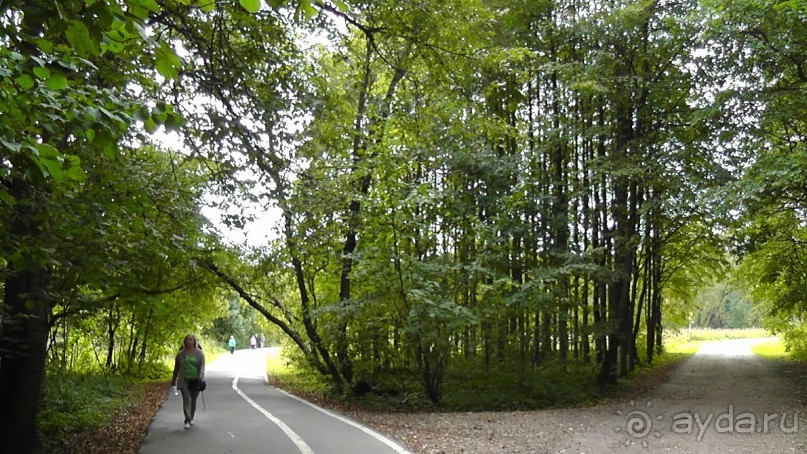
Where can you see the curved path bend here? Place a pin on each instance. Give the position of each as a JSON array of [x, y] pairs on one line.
[[724, 399], [240, 413]]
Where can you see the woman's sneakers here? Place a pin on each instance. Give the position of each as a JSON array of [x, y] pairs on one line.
[[187, 425]]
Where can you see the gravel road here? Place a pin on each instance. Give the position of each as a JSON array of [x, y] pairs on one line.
[[724, 399]]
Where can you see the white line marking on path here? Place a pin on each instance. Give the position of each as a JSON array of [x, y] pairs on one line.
[[296, 439], [395, 446]]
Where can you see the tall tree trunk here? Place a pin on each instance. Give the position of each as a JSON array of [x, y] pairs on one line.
[[619, 295], [23, 334], [110, 332], [560, 225], [601, 242], [587, 227], [657, 301], [23, 343], [141, 357], [630, 338], [364, 132]]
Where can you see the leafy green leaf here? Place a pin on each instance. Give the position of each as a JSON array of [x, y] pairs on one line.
[[25, 81], [73, 6], [6, 197], [38, 163], [103, 140], [168, 63], [207, 5], [50, 160], [140, 114], [150, 5], [150, 125], [341, 6], [57, 81], [111, 45], [54, 168], [253, 6], [10, 144], [308, 10], [44, 45], [138, 12], [47, 151], [72, 170], [78, 35], [174, 122]]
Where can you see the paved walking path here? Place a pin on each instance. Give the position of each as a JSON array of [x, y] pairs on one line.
[[240, 413]]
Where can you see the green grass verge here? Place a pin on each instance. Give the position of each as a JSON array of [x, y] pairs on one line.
[[468, 386], [688, 341], [286, 375], [707, 334], [275, 362], [74, 402], [684, 348], [774, 349]]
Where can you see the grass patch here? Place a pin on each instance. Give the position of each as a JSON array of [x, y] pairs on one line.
[[283, 373], [774, 349], [708, 334], [276, 364], [468, 386], [683, 347], [212, 347], [688, 341], [73, 403]]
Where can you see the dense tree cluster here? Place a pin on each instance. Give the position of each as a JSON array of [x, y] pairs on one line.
[[98, 229], [459, 183]]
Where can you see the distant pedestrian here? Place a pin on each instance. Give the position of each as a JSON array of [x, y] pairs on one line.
[[253, 341], [260, 340], [231, 344], [189, 370]]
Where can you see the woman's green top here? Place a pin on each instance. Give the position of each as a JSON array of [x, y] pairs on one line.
[[191, 368]]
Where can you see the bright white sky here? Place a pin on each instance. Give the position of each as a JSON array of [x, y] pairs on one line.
[[263, 228], [256, 233]]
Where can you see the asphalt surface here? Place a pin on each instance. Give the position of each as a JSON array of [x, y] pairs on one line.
[[240, 413]]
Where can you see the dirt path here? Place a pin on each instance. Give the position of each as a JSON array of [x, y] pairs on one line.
[[724, 399]]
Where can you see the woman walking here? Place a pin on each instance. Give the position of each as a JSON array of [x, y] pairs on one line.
[[189, 370]]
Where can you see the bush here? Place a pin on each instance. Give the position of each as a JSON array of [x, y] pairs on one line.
[[795, 340], [73, 402]]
